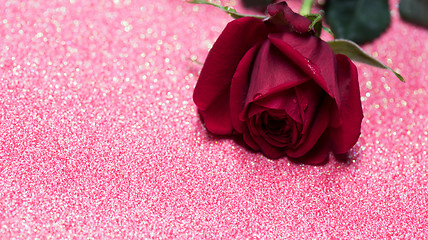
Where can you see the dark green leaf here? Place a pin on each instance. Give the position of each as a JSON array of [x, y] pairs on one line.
[[257, 4], [316, 20], [358, 20], [415, 11], [354, 52]]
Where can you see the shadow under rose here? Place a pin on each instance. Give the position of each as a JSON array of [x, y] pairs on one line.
[[350, 157]]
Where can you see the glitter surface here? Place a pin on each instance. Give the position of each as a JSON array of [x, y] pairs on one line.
[[99, 136]]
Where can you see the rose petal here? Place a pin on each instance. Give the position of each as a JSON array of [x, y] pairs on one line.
[[318, 154], [312, 55], [216, 119], [272, 73], [254, 109], [284, 100], [248, 139], [349, 107], [268, 149], [283, 15], [316, 117], [213, 86], [239, 87]]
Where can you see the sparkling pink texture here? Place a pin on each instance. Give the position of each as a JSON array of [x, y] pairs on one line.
[[99, 137]]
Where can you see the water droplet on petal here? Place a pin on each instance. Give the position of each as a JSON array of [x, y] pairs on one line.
[[257, 96]]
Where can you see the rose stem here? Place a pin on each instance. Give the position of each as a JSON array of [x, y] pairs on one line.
[[306, 7]]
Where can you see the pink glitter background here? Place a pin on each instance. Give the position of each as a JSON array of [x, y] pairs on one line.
[[99, 136]]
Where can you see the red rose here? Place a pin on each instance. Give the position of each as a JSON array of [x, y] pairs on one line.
[[281, 87]]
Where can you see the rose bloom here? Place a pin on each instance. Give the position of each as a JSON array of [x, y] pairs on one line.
[[280, 87]]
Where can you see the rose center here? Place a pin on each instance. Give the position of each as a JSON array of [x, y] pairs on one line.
[[276, 125]]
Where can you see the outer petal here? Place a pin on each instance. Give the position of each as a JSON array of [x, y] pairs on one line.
[[239, 87], [272, 73], [214, 82], [312, 55], [349, 107], [215, 118]]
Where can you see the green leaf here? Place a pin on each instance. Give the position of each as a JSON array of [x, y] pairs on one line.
[[358, 20], [414, 11], [232, 12], [354, 52]]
